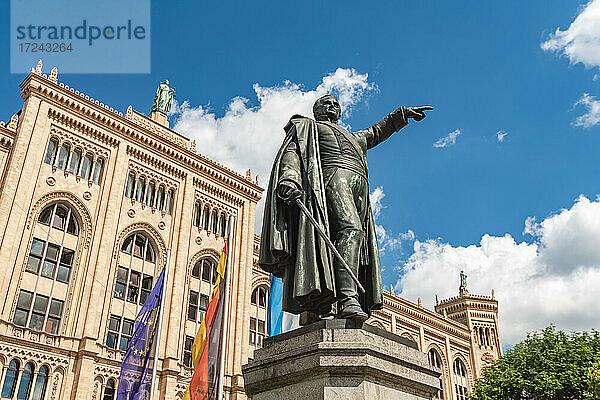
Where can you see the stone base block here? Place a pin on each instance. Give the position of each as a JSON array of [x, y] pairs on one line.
[[338, 359]]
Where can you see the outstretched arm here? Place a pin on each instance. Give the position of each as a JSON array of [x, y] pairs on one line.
[[393, 123]]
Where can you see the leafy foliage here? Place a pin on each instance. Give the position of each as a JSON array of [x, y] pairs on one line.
[[549, 365], [593, 376]]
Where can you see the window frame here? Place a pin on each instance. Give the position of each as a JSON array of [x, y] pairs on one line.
[[131, 289], [50, 156], [461, 381], [257, 335], [187, 351], [30, 373], [119, 333], [41, 378], [15, 378]]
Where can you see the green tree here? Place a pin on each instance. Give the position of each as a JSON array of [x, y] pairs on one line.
[[547, 365], [593, 376]]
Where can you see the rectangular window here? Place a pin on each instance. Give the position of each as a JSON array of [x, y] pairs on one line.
[[187, 351], [134, 287], [37, 307], [119, 332], [50, 261], [35, 256], [54, 315], [252, 337], [129, 283], [114, 325], [126, 332], [64, 268], [193, 306], [260, 333], [39, 312], [202, 307], [146, 288], [23, 307], [121, 283], [257, 331]]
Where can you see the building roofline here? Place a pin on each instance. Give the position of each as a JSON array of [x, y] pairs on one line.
[[104, 114]]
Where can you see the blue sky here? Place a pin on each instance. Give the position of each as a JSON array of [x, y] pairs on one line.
[[479, 63]]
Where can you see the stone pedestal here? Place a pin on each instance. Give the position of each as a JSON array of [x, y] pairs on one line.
[[159, 117], [338, 359]]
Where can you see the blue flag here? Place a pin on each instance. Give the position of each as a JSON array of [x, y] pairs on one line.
[[135, 380], [278, 321]]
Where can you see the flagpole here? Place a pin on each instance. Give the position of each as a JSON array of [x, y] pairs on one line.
[[226, 310], [159, 327]]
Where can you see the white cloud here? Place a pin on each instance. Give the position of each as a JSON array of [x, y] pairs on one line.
[[555, 279], [249, 136], [580, 43], [385, 240], [447, 140], [592, 116], [376, 197], [500, 135]]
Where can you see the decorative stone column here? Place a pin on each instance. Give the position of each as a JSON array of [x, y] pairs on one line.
[[339, 359]]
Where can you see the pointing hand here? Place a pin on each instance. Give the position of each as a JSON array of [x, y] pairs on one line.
[[417, 113]]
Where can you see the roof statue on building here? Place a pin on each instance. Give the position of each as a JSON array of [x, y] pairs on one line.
[[463, 283], [163, 100]]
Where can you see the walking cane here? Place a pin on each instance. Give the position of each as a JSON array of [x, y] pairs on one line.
[[329, 244]]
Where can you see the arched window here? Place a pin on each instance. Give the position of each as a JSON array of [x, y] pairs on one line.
[[160, 198], [205, 268], [140, 246], [133, 284], [51, 151], [223, 225], [130, 185], [259, 296], [109, 390], [86, 166], [61, 217], [460, 379], [51, 252], [205, 217], [98, 167], [487, 337], [10, 380], [140, 187], [63, 156], [197, 214], [51, 258], [150, 194], [169, 201], [209, 271], [435, 360], [214, 221], [75, 161], [25, 383], [39, 389]]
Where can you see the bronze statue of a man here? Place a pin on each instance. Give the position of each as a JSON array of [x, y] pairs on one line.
[[325, 166]]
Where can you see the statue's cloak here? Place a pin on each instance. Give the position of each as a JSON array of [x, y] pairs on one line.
[[291, 249]]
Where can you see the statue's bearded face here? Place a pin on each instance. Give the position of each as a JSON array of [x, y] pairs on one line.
[[327, 108]]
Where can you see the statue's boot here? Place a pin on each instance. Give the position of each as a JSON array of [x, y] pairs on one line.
[[348, 244]]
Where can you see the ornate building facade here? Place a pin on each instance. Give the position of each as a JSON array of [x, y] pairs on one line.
[[90, 201]]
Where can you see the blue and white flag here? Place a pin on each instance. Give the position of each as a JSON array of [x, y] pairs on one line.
[[135, 380], [279, 321]]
